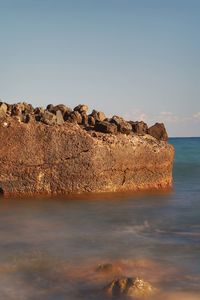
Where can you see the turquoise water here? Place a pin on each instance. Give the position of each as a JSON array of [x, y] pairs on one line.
[[50, 248]]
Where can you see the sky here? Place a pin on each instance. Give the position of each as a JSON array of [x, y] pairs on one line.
[[136, 58]]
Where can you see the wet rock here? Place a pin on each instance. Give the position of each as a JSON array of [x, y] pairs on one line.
[[105, 127], [158, 131], [132, 287], [139, 127], [122, 125], [81, 108], [75, 117], [3, 110], [59, 117], [48, 118]]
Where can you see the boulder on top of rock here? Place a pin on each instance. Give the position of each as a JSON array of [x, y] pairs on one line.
[[131, 287], [63, 108], [59, 117], [139, 127], [81, 108], [98, 115], [158, 131], [105, 127], [3, 110], [75, 117], [122, 125], [48, 118]]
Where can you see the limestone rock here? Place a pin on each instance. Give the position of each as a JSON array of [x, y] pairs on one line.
[[105, 127], [48, 118], [81, 108], [122, 126], [3, 110], [75, 117], [132, 287], [98, 115], [59, 117], [139, 127], [40, 159], [158, 131], [91, 120]]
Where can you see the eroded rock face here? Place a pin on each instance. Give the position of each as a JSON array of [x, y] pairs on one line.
[[40, 159], [57, 150], [132, 287]]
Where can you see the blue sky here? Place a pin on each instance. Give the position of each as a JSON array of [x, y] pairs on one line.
[[135, 58]]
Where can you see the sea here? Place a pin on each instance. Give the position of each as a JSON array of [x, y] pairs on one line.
[[58, 248]]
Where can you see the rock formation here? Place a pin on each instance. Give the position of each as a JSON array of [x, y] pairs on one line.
[[58, 150], [131, 287]]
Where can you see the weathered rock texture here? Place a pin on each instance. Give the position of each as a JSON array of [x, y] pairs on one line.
[[39, 159]]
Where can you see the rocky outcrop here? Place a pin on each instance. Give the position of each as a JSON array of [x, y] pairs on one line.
[[131, 287], [52, 151]]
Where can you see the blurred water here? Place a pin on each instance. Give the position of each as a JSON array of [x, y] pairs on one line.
[[50, 248]]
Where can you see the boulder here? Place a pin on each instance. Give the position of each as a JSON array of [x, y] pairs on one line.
[[98, 115], [101, 116], [84, 119], [75, 117], [105, 127], [63, 108], [3, 110], [158, 131], [39, 110], [48, 118], [17, 109], [81, 108], [28, 108], [139, 127], [59, 117], [131, 287], [122, 125], [91, 120]]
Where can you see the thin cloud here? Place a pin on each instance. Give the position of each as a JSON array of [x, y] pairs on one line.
[[197, 116]]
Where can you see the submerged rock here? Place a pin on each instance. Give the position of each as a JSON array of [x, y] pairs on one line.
[[132, 287]]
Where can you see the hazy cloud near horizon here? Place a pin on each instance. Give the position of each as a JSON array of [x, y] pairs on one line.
[[138, 59]]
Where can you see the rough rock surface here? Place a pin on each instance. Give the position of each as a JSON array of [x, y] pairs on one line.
[[36, 158], [132, 287]]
